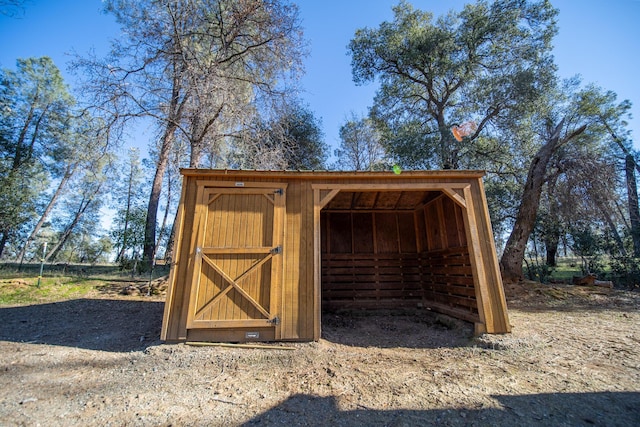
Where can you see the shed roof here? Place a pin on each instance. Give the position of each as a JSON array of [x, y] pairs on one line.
[[307, 174]]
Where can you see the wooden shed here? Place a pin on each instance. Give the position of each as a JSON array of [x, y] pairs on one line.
[[259, 254]]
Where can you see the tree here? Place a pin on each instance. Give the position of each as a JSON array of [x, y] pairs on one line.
[[78, 147], [473, 66], [19, 191], [291, 139], [133, 235], [300, 133], [630, 164], [81, 210], [36, 110], [128, 195], [612, 120], [95, 251], [192, 66], [360, 146], [488, 66], [511, 261], [570, 116]]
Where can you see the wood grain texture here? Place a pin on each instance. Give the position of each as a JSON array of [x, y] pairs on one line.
[[348, 239]]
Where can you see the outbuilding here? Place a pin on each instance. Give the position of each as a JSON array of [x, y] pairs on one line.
[[259, 254]]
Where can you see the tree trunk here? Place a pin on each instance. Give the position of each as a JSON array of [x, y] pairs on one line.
[[513, 255], [632, 191], [3, 242], [632, 197], [552, 229], [17, 159], [552, 252], [165, 216], [168, 254], [69, 229], [154, 198], [174, 116], [127, 213], [63, 182]]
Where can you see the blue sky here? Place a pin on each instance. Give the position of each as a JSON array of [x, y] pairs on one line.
[[598, 39]]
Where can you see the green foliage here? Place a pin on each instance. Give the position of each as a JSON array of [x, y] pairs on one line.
[[625, 272], [538, 271], [479, 64], [19, 191], [128, 230], [588, 244], [85, 249], [35, 109]]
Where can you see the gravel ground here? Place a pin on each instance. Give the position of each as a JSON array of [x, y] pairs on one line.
[[573, 359]]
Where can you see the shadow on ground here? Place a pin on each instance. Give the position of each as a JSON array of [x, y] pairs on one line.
[[95, 324], [558, 409]]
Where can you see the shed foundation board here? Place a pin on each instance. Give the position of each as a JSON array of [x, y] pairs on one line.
[[259, 254]]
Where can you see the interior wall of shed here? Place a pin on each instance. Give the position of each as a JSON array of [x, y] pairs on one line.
[[392, 258]]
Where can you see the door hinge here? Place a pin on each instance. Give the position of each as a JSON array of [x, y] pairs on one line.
[[279, 191], [275, 321], [277, 250]]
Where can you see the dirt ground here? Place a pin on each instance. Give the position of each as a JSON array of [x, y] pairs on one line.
[[573, 359]]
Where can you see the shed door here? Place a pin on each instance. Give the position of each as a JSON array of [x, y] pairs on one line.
[[238, 263]]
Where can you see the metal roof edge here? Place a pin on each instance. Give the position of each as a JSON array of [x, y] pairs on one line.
[[446, 173]]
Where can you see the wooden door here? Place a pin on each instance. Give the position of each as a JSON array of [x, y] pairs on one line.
[[237, 270]]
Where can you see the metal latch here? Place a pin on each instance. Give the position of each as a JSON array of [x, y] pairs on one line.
[[277, 250], [275, 321]]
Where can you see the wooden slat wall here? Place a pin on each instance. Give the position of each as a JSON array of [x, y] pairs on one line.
[[440, 280], [448, 282], [375, 259], [359, 280], [441, 225]]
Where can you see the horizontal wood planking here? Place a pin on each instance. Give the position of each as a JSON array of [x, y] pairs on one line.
[[443, 276], [454, 312], [449, 279]]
